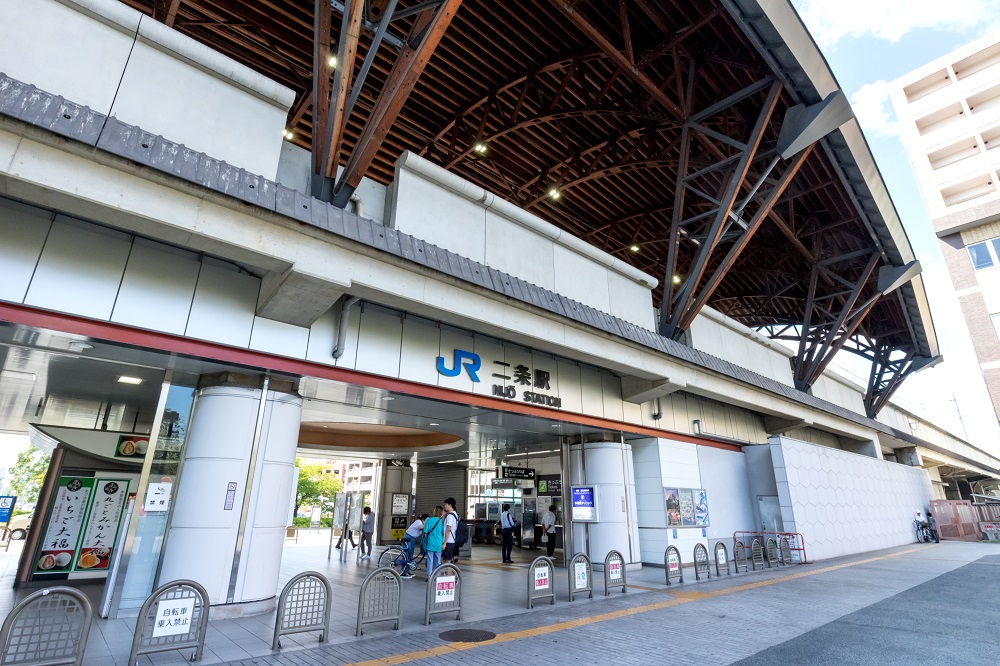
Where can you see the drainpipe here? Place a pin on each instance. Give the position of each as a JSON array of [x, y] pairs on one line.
[[359, 205], [658, 414], [345, 313]]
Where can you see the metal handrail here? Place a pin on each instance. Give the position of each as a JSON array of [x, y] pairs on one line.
[[47, 639], [309, 607]]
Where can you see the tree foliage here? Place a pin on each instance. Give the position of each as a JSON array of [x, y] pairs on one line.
[[314, 485], [27, 475]]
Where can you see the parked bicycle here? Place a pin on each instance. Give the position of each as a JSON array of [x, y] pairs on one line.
[[923, 531], [400, 558]]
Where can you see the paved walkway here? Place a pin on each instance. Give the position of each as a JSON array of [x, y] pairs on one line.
[[899, 599]]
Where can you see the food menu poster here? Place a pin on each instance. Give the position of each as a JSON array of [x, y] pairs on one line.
[[131, 446], [63, 533], [686, 507], [101, 527]]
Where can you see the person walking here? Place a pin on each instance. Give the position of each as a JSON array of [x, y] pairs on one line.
[[506, 534], [549, 530], [932, 526], [433, 540], [367, 532], [450, 554]]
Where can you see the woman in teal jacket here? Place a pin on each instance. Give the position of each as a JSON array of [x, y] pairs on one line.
[[434, 535]]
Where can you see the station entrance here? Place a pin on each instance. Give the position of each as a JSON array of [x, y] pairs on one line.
[[165, 465]]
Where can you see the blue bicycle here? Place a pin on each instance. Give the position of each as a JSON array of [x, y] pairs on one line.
[[401, 558]]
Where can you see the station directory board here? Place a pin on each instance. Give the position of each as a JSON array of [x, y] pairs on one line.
[[583, 504]]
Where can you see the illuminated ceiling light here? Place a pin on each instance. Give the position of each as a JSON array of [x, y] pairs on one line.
[[388, 397], [332, 62], [435, 424], [554, 193], [556, 425], [125, 379], [480, 147], [288, 134], [634, 248], [677, 279]]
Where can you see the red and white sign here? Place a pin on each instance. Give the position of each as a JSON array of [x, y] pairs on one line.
[[615, 570], [990, 527], [672, 560], [541, 578], [444, 590]]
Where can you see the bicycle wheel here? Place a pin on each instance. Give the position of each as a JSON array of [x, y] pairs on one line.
[[391, 557]]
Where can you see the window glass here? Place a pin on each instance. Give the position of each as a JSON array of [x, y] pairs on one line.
[[980, 254], [996, 247]]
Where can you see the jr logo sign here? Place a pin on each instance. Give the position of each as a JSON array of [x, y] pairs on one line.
[[471, 362]]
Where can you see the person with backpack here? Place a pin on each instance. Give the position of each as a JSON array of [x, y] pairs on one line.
[[433, 540], [452, 536]]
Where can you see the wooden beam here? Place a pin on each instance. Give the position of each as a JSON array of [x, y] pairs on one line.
[[320, 96], [346, 55], [403, 77], [172, 12], [630, 69]]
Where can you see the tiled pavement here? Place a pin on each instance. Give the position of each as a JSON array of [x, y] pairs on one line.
[[719, 621]]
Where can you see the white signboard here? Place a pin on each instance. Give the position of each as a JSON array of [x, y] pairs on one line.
[[720, 556], [580, 575], [673, 561], [400, 504], [541, 578], [444, 590], [157, 497], [615, 571], [173, 617]]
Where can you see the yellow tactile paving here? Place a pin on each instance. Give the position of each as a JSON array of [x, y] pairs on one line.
[[676, 599]]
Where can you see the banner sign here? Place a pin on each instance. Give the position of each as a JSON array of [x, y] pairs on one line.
[[102, 523], [541, 577], [444, 590], [63, 533], [517, 473], [583, 502]]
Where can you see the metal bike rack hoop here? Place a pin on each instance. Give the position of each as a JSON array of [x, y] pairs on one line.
[[379, 599], [49, 627], [174, 617], [541, 583], [614, 573], [673, 564], [304, 605], [721, 559], [701, 565], [444, 592], [581, 576]]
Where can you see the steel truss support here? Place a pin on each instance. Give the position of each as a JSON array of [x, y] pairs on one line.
[[429, 21], [890, 366], [833, 312]]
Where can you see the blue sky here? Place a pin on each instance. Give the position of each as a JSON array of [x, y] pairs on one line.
[[868, 43]]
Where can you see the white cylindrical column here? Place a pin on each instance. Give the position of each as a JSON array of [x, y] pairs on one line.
[[608, 467], [204, 528]]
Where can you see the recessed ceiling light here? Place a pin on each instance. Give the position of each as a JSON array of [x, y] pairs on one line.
[[554, 193], [288, 134], [480, 147], [332, 62], [435, 424], [634, 248], [677, 279], [555, 425], [125, 379], [388, 397]]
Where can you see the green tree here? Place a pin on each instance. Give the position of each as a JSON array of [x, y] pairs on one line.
[[27, 475], [313, 485]]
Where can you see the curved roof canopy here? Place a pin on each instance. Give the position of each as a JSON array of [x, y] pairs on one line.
[[675, 135]]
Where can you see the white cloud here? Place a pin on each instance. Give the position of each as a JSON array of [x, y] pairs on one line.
[[873, 109], [831, 20]]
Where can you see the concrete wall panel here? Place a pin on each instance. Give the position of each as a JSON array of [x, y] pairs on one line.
[[23, 230], [223, 307], [158, 288], [277, 337], [380, 340]]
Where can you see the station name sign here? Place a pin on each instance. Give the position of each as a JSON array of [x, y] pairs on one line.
[[520, 381], [517, 473]]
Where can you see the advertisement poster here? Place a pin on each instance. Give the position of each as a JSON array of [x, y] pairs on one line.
[[131, 446], [101, 526], [671, 495], [63, 533], [700, 507], [686, 499], [444, 590]]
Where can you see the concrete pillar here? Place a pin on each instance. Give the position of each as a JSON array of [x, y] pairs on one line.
[[608, 467], [393, 481], [203, 541]]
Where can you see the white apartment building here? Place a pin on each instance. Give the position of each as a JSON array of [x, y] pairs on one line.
[[949, 113]]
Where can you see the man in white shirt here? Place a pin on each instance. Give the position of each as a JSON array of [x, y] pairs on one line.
[[549, 530], [449, 553], [507, 534]]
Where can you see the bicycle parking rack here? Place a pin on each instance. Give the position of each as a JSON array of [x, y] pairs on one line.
[[740, 557], [756, 555], [541, 584], [673, 564], [786, 551], [5, 537], [444, 592], [174, 617], [581, 576], [771, 550], [721, 559], [701, 565], [614, 573], [304, 605], [796, 543], [49, 627], [379, 599]]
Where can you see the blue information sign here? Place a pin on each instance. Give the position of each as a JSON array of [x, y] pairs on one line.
[[584, 503], [6, 507]]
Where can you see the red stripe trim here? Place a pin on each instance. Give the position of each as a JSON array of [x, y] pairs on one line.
[[26, 316]]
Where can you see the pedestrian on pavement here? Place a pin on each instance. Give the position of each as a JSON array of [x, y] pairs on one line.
[[932, 525], [450, 554], [413, 534], [434, 540], [349, 533], [549, 530], [506, 534], [367, 532]]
